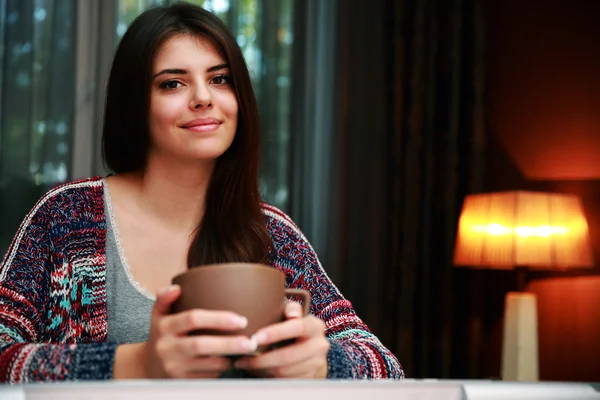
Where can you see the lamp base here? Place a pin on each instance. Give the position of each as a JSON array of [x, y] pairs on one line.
[[520, 361]]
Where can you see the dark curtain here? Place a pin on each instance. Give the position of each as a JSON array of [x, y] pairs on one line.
[[411, 145]]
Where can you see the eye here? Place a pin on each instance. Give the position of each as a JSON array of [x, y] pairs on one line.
[[169, 85], [220, 80]]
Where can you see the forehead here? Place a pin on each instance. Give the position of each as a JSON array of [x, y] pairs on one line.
[[187, 51]]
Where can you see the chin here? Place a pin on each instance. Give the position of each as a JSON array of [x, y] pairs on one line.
[[206, 155], [205, 151]]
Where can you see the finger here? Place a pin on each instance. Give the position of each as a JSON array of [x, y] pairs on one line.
[[199, 366], [291, 329], [195, 346], [304, 370], [184, 322], [293, 310], [211, 365], [164, 298], [296, 353]]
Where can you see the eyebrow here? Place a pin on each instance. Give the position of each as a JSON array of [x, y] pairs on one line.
[[180, 71]]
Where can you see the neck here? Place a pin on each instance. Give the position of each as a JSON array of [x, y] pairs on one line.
[[174, 193]]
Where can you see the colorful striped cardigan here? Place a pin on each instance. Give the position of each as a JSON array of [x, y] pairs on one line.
[[53, 314]]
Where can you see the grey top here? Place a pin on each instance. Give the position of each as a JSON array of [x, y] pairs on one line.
[[129, 304]]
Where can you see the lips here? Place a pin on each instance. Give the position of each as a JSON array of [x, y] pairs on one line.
[[201, 122], [202, 125]]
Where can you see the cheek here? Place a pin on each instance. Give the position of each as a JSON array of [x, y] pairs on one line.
[[232, 108], [235, 109], [227, 103], [165, 111]]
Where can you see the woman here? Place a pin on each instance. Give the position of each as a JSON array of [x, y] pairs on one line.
[[181, 135]]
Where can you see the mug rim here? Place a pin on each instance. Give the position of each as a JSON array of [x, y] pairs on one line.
[[231, 265]]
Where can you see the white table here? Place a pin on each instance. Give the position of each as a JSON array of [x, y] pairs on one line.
[[299, 390]]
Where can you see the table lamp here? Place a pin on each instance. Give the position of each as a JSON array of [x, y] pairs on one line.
[[520, 229]]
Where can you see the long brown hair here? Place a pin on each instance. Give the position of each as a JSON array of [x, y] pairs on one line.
[[233, 227]]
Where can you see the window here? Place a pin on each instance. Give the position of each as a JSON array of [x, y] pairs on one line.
[[37, 60]]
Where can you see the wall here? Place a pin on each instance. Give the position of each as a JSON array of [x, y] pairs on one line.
[[544, 85]]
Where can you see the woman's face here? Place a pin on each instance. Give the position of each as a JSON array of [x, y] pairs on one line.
[[193, 108]]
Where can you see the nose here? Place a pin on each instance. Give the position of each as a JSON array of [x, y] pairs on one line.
[[202, 98]]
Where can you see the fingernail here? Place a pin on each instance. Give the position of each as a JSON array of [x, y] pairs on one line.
[[247, 345], [260, 338], [242, 322], [240, 364], [294, 314], [254, 343], [167, 290]]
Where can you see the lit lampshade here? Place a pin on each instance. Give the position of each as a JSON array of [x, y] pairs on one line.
[[522, 229], [532, 229]]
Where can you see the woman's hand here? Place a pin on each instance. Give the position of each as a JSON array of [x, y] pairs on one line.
[[170, 353], [305, 358]]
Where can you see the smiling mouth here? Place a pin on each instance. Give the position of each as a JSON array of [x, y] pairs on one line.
[[203, 128]]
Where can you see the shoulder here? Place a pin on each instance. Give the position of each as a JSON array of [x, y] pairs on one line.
[[70, 197], [69, 210], [288, 240], [280, 225], [88, 187], [66, 202]]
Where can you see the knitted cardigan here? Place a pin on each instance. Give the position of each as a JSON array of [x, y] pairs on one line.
[[53, 313]]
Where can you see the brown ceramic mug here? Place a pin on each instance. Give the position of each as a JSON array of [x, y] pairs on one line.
[[254, 291]]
